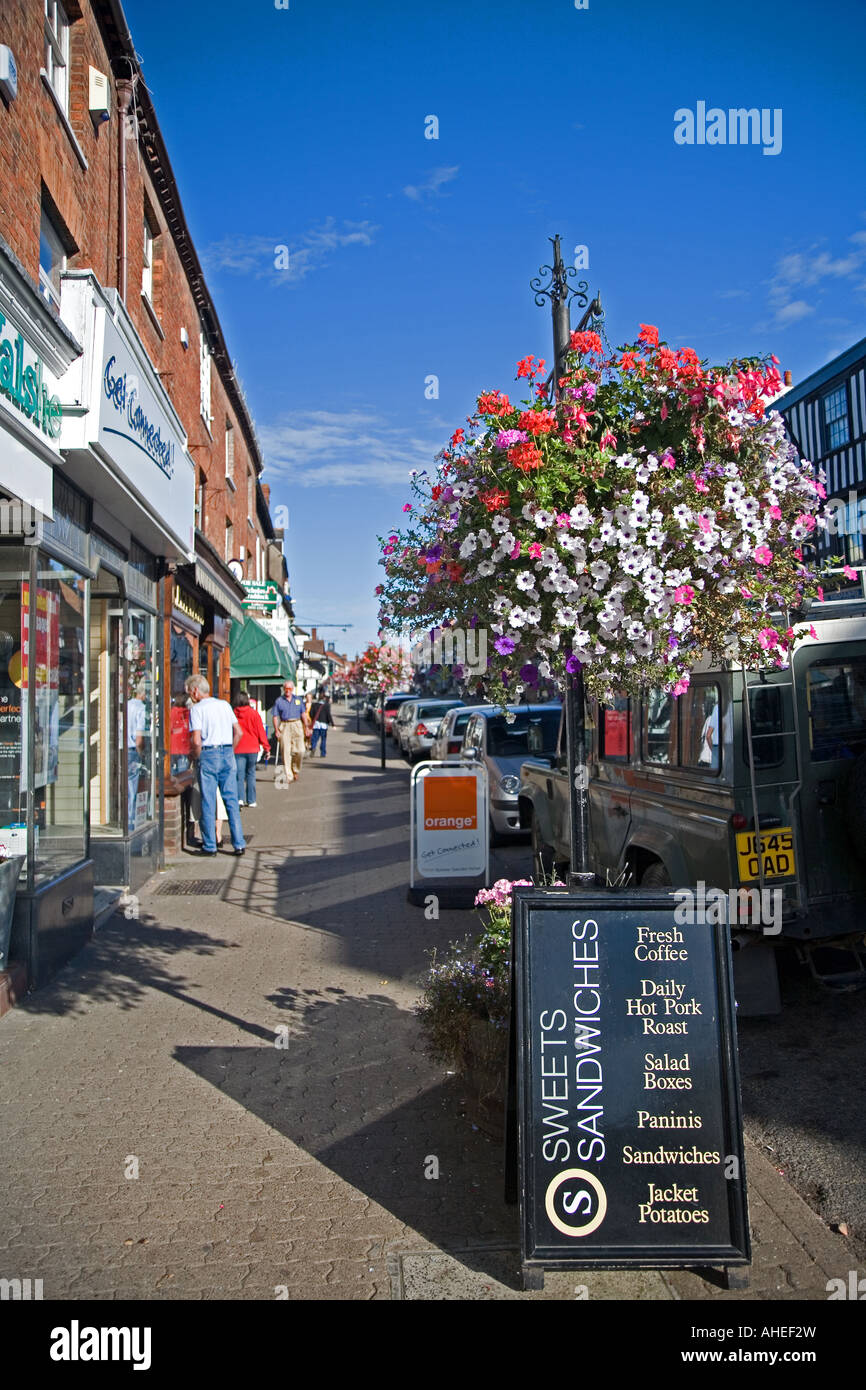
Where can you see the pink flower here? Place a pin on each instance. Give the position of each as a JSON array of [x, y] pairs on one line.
[[820, 594], [768, 638], [776, 513], [848, 572], [705, 523], [608, 440], [820, 489], [664, 412], [681, 687], [535, 551], [407, 506], [563, 520], [812, 632], [515, 554], [763, 554], [684, 594], [747, 593]]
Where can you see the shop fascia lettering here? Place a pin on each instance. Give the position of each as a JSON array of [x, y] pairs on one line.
[[141, 430], [22, 383]]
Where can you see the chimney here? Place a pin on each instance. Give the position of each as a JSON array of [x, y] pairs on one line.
[[788, 379], [266, 489], [312, 634]]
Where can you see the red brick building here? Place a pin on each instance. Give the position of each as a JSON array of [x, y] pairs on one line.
[[129, 452]]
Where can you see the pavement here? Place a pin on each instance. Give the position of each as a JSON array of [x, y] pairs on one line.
[[224, 1095]]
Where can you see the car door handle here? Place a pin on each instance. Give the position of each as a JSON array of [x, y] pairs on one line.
[[619, 811]]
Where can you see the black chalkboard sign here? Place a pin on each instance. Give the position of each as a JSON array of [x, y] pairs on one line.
[[629, 1132]]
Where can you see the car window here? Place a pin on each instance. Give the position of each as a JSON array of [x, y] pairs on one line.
[[765, 714], [433, 710], [614, 730], [699, 728], [836, 695], [506, 740], [660, 729]]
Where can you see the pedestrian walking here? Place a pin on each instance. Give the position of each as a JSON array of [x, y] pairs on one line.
[[214, 732], [307, 721], [289, 730], [322, 722], [253, 737]]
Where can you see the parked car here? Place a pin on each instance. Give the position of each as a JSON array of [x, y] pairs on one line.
[[503, 747], [421, 726], [449, 738], [745, 781], [392, 704]]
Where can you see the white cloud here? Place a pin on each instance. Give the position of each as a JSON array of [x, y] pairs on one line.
[[324, 448], [418, 192], [262, 256], [811, 270]]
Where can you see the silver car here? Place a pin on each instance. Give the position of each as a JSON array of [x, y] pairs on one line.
[[503, 747], [422, 726], [449, 740]]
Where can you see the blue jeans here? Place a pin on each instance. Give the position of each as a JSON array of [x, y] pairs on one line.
[[217, 768], [319, 734], [246, 765]]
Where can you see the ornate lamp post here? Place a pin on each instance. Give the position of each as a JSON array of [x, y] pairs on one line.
[[560, 293]]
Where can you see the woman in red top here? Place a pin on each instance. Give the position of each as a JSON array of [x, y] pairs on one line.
[[252, 737]]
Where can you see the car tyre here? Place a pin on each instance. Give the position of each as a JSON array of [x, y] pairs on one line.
[[655, 875]]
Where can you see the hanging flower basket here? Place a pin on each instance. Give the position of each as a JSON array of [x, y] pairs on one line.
[[654, 515]]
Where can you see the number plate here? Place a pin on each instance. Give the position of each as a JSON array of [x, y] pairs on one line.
[[777, 848]]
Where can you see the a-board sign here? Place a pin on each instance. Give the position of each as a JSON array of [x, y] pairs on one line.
[[448, 821], [629, 1129]]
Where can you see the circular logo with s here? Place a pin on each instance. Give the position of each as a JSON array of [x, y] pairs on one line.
[[575, 1202]]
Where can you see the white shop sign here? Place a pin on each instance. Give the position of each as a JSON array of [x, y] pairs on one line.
[[449, 821]]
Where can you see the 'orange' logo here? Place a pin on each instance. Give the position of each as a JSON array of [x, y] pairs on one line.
[[450, 803]]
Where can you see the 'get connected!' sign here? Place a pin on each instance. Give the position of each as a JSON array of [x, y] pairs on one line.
[[449, 821]]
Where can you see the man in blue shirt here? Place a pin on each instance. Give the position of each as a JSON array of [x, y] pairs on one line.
[[290, 730], [214, 731]]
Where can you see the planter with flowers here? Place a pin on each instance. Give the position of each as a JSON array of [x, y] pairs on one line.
[[465, 1005], [654, 515]]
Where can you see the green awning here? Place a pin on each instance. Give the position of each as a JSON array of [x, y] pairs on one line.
[[256, 655]]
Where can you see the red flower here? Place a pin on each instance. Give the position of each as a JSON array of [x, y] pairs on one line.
[[526, 457], [585, 342], [649, 335], [527, 366], [667, 359], [493, 403], [436, 492], [494, 499], [457, 437], [536, 421]]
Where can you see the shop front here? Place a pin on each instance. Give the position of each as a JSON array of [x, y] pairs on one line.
[[125, 449], [44, 577]]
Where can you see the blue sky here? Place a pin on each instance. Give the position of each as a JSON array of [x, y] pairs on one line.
[[305, 128]]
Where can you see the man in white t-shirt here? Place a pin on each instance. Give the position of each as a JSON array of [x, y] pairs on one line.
[[214, 731]]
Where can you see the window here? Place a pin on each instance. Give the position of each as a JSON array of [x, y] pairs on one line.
[[660, 729], [250, 497], [52, 259], [147, 262], [204, 381], [57, 52], [531, 733], [835, 406], [700, 728], [230, 449], [230, 539], [614, 730], [836, 695], [765, 715]]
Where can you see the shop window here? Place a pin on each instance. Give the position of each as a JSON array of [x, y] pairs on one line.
[[615, 730], [660, 729], [182, 665], [13, 703], [700, 727], [56, 52], [140, 706], [106, 705], [54, 627]]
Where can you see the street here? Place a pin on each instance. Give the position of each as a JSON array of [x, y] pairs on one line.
[[224, 1096]]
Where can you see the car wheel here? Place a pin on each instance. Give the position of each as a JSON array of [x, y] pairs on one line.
[[497, 839], [655, 875], [543, 858]]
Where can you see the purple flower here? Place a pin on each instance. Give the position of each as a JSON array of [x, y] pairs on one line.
[[572, 665], [434, 553], [505, 645], [673, 641], [529, 674], [506, 438]]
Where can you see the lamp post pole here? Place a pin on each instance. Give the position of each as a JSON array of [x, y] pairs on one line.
[[560, 293], [382, 726]]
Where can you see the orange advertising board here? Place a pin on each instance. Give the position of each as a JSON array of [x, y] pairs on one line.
[[450, 803]]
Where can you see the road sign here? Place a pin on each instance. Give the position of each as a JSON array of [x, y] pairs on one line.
[[628, 1112]]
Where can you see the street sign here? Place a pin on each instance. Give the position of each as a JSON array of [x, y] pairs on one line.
[[261, 594], [630, 1150], [449, 823]]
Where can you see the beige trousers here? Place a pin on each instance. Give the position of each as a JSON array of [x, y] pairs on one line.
[[292, 743]]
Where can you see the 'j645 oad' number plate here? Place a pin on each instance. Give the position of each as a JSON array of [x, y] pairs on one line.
[[777, 852]]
